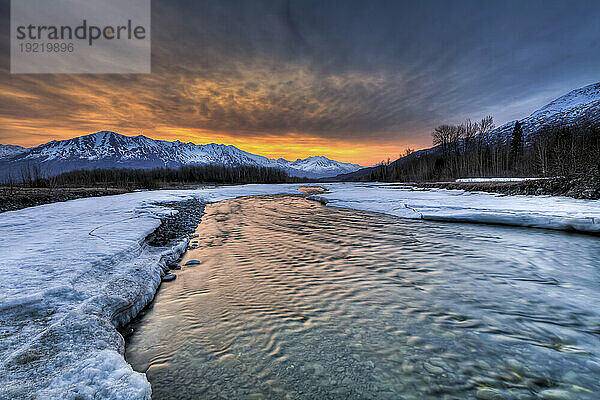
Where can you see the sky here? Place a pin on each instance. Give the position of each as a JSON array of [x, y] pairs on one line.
[[356, 81]]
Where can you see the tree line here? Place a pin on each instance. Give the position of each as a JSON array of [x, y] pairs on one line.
[[32, 176], [474, 149]]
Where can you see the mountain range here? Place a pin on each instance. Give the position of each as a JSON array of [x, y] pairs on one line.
[[112, 150]]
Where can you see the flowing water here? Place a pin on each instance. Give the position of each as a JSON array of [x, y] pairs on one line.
[[287, 298]]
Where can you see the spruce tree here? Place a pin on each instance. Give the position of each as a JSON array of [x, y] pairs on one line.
[[516, 145]]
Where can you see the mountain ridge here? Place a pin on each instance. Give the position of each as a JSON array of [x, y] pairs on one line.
[[106, 149], [578, 106], [8, 150]]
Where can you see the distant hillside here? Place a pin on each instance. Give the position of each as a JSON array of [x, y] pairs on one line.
[[560, 137], [358, 175]]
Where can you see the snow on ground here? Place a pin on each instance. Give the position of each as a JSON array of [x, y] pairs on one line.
[[498, 179], [549, 212], [70, 272]]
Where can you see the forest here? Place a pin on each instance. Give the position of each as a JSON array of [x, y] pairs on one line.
[[471, 149], [33, 176]]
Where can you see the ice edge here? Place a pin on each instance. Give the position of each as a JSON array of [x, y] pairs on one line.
[[107, 374]]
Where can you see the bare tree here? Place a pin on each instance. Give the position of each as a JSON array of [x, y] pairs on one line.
[[470, 131], [442, 136], [483, 139], [541, 145]]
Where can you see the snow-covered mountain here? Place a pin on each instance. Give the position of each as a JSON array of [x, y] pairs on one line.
[[319, 165], [112, 150], [578, 107], [8, 150]]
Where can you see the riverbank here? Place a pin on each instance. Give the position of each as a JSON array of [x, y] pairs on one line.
[[18, 197], [175, 226], [440, 204], [587, 188]]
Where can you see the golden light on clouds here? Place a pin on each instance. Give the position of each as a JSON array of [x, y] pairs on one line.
[[278, 111], [293, 79]]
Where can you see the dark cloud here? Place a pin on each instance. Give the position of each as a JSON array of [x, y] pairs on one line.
[[370, 70]]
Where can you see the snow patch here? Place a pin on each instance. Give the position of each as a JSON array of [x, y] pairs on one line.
[[102, 375], [478, 180], [8, 150], [401, 200]]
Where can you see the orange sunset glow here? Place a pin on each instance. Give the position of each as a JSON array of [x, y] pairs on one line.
[[254, 112], [289, 147]]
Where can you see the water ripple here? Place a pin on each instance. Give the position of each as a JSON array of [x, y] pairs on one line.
[[291, 299]]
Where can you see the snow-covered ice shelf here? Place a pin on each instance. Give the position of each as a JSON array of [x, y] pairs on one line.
[[476, 180], [71, 272], [562, 213]]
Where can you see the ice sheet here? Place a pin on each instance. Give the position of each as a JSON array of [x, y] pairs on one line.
[[552, 212], [476, 180]]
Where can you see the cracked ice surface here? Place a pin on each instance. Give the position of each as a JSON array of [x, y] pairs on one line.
[[70, 273]]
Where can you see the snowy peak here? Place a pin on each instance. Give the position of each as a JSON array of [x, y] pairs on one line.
[[8, 150], [97, 146], [578, 107], [324, 165], [577, 98], [107, 149]]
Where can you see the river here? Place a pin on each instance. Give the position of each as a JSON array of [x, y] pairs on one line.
[[286, 298]]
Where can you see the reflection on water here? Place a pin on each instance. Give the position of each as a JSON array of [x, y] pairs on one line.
[[291, 299]]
